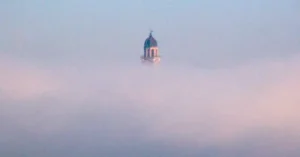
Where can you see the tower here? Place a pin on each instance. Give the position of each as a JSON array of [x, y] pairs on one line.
[[151, 53]]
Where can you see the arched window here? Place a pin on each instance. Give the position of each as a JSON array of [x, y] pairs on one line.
[[148, 52], [152, 53]]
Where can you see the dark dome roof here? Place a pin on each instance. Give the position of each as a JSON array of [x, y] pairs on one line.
[[150, 42]]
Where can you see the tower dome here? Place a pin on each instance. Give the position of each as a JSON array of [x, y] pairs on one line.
[[151, 53], [150, 42]]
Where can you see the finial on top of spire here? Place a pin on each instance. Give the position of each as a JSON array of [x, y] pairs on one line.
[[151, 32]]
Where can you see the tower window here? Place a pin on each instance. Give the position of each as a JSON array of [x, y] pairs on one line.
[[152, 52], [148, 52]]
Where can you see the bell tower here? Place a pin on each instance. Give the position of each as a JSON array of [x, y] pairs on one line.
[[151, 52]]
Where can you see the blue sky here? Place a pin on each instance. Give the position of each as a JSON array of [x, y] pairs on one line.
[[206, 33]]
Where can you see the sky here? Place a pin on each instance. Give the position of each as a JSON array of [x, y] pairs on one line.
[[71, 82]]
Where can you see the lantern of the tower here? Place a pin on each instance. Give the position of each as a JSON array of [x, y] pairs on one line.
[[151, 53]]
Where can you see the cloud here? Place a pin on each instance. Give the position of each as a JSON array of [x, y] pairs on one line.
[[21, 80], [112, 110]]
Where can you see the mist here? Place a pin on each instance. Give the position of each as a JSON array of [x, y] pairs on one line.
[[72, 85], [119, 109]]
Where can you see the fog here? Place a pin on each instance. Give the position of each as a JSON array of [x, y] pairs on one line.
[[121, 109]]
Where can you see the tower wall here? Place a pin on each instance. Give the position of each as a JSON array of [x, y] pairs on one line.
[[151, 52]]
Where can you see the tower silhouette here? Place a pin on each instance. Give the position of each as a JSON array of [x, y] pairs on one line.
[[151, 53]]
